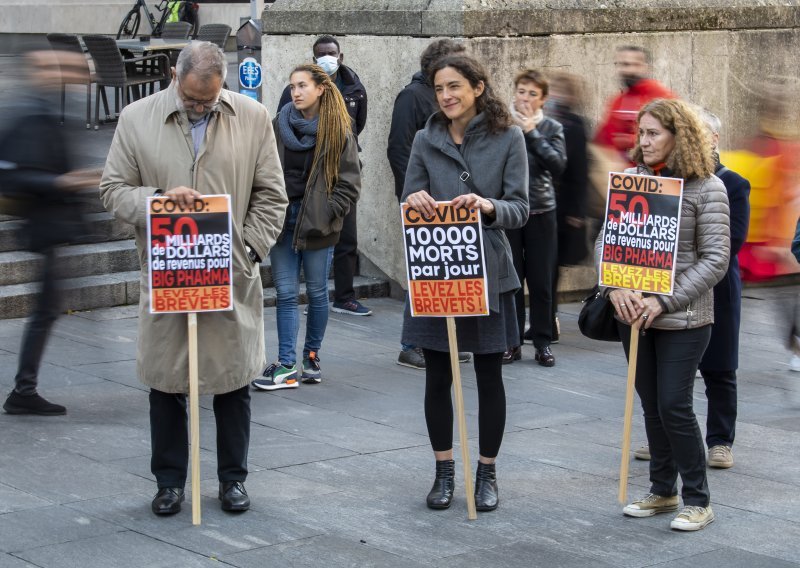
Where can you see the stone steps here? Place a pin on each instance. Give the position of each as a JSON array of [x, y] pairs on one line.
[[19, 267], [121, 288], [100, 227]]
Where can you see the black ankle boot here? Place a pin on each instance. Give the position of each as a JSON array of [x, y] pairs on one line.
[[441, 494], [486, 498]]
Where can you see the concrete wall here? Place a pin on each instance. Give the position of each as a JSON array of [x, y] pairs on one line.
[[706, 51]]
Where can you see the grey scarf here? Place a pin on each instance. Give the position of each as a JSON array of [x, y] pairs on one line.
[[290, 122]]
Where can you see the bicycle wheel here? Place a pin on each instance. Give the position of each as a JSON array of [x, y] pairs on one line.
[[130, 24]]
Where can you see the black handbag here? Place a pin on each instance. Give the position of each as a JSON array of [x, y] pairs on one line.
[[596, 320]]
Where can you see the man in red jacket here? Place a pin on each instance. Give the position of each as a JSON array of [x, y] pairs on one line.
[[618, 128]]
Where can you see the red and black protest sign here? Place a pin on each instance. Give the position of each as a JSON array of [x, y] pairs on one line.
[[189, 255], [640, 233], [445, 263]]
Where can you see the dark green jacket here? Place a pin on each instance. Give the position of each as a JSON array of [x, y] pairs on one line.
[[319, 221]]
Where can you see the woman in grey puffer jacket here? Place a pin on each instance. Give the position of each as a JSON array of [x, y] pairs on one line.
[[673, 142]]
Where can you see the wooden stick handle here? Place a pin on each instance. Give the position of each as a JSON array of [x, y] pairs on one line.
[[194, 418], [633, 355], [458, 395]]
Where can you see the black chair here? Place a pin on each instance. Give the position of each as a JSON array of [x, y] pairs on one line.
[[215, 33], [70, 42], [120, 74], [176, 30]]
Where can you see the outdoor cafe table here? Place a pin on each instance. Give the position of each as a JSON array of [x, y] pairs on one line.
[[137, 47]]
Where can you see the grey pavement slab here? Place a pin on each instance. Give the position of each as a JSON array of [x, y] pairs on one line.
[[32, 528], [122, 550], [340, 470], [328, 551], [9, 561], [730, 558]]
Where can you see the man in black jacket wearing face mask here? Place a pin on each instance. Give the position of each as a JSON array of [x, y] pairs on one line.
[[329, 56]]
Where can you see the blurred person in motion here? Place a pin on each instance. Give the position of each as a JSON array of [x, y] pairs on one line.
[[564, 104], [471, 137], [534, 246], [674, 142], [38, 183], [412, 108], [770, 160], [617, 129]]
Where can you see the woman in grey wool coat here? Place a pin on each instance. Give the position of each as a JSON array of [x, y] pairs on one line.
[[470, 154], [673, 142]]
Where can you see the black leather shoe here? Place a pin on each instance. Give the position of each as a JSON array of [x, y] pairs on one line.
[[233, 496], [545, 357], [512, 354], [441, 494], [31, 404], [486, 498], [168, 501]]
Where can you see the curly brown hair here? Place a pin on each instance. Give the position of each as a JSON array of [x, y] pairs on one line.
[[692, 156], [497, 117]]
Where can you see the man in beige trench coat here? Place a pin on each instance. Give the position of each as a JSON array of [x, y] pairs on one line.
[[191, 139]]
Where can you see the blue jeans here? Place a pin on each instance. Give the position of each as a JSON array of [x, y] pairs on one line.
[[286, 263]]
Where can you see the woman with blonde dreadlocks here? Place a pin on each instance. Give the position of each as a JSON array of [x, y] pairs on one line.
[[320, 163]]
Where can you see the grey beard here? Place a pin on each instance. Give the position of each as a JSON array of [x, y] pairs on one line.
[[191, 114]]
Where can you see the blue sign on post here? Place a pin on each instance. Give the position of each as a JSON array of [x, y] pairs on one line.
[[250, 77]]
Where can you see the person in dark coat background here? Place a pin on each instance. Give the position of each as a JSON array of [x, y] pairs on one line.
[[563, 104], [412, 108], [36, 175], [721, 359]]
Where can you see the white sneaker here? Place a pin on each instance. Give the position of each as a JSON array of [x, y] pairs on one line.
[[651, 504], [692, 518], [794, 363]]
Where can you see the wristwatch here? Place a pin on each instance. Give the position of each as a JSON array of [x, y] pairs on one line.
[[252, 254]]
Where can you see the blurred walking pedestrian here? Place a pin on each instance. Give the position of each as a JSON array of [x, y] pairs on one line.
[[564, 104], [37, 178]]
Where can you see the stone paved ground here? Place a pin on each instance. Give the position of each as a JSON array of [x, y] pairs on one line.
[[339, 471]]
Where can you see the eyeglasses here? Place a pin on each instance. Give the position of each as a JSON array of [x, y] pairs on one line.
[[208, 105]]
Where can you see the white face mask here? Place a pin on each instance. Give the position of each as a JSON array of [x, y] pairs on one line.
[[329, 64]]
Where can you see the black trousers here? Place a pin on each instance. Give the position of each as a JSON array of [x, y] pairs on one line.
[[491, 401], [345, 259], [169, 435], [665, 374], [534, 248], [721, 419], [38, 327]]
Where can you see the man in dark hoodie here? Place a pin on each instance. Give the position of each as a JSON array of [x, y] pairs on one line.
[[412, 108], [329, 56]]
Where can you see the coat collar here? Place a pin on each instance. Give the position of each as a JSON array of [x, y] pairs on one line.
[[441, 139], [167, 106]]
